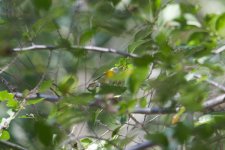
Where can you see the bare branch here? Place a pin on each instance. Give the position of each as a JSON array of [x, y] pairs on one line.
[[153, 110], [35, 47], [8, 65], [142, 146], [212, 82], [214, 102], [156, 110], [148, 111], [87, 48], [44, 74], [219, 50], [47, 97], [12, 145]]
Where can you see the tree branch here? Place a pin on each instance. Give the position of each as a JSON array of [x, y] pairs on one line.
[[211, 82], [142, 146], [50, 98], [86, 48], [12, 145], [153, 110], [156, 110], [214, 102], [219, 50], [148, 111]]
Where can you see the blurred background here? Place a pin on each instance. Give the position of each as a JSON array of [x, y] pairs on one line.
[[118, 24]]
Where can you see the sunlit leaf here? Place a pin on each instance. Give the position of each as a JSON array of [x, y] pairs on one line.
[[45, 85], [4, 135], [34, 101], [5, 96], [143, 102], [86, 142], [12, 103], [220, 24]]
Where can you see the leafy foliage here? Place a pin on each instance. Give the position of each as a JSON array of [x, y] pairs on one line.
[[62, 88]]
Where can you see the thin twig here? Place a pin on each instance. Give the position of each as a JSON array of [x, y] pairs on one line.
[[12, 145], [219, 50], [8, 65], [148, 111], [153, 110], [206, 105], [47, 97], [87, 48], [139, 123], [8, 85], [212, 82], [22, 104], [142, 146], [214, 102], [73, 138]]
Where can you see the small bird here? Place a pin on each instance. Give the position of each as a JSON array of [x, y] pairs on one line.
[[106, 75], [109, 73]]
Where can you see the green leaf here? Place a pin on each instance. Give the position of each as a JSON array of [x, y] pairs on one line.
[[81, 99], [86, 142], [197, 38], [34, 101], [115, 131], [136, 79], [87, 35], [205, 119], [5, 135], [108, 88], [162, 40], [115, 2], [143, 61], [123, 119], [5, 96], [220, 24], [134, 45], [210, 20], [127, 106], [64, 43], [12, 103], [26, 92], [182, 132], [44, 132], [204, 131], [143, 102], [155, 6], [42, 4], [67, 85], [9, 98], [27, 116], [45, 85], [2, 21], [105, 8], [159, 138], [167, 86], [143, 34]]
